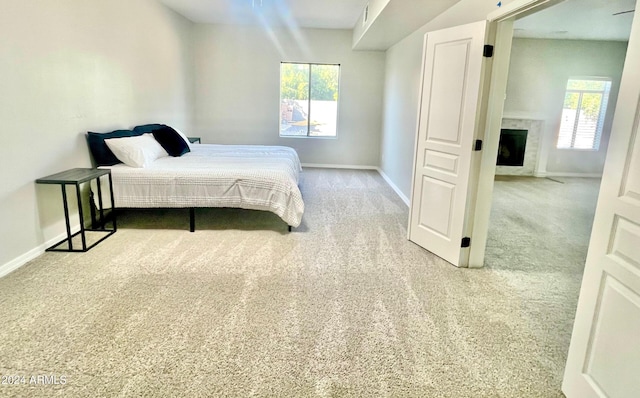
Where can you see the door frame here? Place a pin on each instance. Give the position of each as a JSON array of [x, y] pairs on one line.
[[502, 21]]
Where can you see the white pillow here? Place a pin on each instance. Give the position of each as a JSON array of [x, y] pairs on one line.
[[138, 151]]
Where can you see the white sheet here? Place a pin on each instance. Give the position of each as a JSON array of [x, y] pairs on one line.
[[240, 176]]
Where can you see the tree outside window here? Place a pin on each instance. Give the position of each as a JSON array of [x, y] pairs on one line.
[[309, 99], [585, 105]]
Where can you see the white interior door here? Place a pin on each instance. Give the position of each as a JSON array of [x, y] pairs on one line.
[[452, 74], [604, 356]]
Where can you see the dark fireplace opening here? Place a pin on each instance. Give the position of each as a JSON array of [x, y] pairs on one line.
[[511, 147]]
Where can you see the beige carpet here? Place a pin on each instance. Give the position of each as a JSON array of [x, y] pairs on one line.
[[344, 306]]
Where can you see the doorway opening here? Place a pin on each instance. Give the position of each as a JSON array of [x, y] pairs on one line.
[[541, 61], [541, 220]]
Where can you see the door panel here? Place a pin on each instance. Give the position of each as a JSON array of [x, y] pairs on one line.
[[626, 243], [631, 184], [450, 95], [449, 66], [604, 355], [437, 219], [611, 368], [441, 162]]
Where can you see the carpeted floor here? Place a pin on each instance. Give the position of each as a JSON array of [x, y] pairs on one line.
[[344, 306]]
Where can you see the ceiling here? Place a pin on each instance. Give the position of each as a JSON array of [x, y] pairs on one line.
[[579, 19], [571, 19], [327, 14]]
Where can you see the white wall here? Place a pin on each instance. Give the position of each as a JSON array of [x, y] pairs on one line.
[[237, 71], [402, 91], [537, 82], [68, 66], [402, 88]]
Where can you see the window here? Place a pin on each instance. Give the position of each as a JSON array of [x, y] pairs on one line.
[[308, 99], [585, 104]]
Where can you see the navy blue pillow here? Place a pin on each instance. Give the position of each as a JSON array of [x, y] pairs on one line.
[[171, 141], [101, 153], [148, 128]]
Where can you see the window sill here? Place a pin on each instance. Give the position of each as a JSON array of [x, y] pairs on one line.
[[313, 137], [578, 149]]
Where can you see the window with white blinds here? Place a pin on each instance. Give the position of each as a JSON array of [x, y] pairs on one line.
[[585, 104]]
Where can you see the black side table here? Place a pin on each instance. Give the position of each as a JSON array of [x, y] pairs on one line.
[[77, 177]]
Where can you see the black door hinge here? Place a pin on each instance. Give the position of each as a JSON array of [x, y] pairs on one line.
[[478, 145], [466, 242], [487, 52]]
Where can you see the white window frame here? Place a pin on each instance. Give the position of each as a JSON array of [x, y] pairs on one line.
[[310, 64]]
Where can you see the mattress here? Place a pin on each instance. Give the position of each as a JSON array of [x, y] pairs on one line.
[[240, 176]]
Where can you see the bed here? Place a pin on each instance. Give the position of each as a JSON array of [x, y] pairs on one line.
[[254, 177]]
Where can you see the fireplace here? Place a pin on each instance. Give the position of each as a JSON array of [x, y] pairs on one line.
[[512, 147]]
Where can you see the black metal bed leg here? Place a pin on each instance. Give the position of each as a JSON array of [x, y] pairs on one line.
[[192, 219], [289, 228], [94, 223]]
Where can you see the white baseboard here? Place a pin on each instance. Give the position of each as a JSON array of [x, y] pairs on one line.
[[339, 166], [19, 261], [544, 174], [394, 187], [578, 175], [359, 167]]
